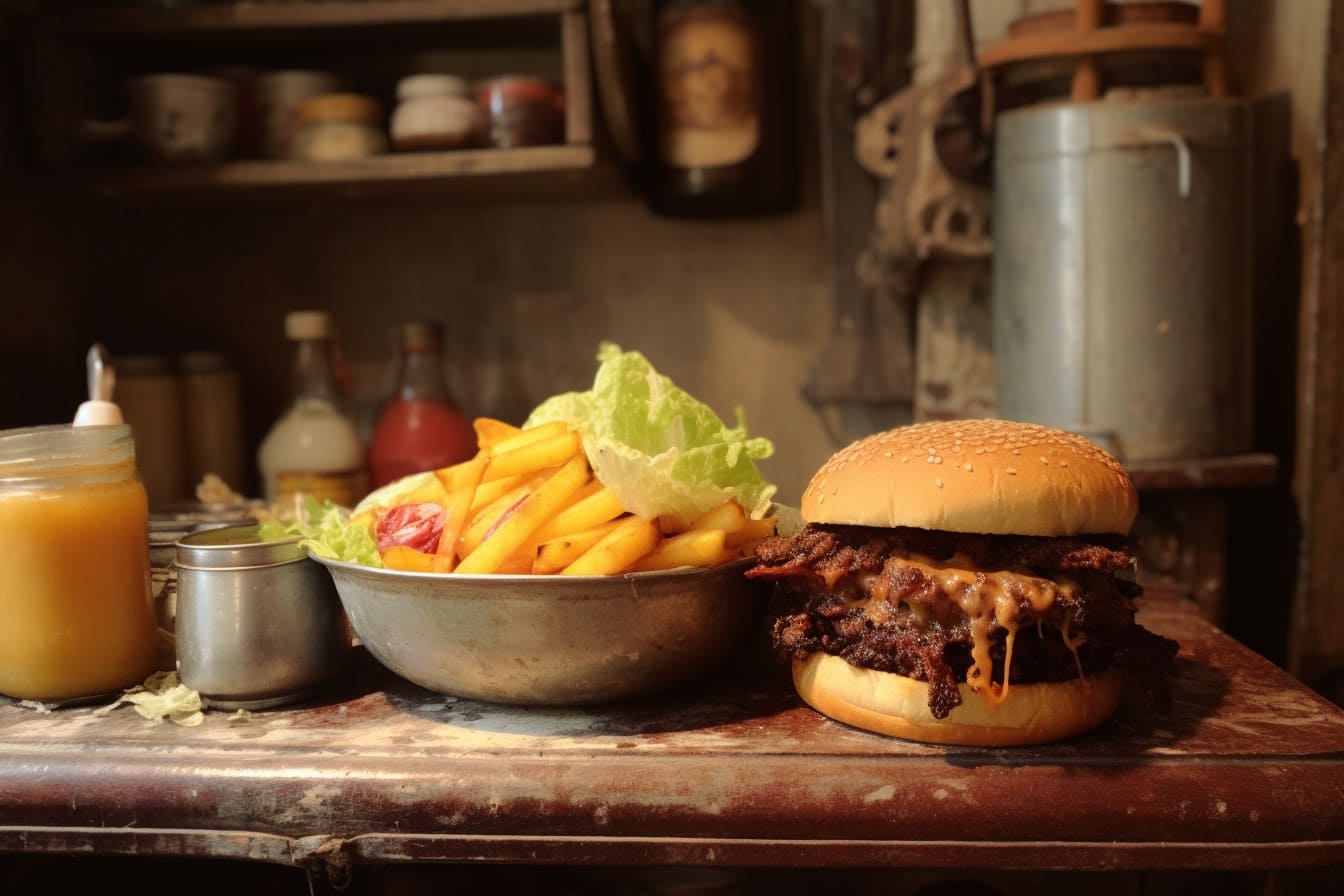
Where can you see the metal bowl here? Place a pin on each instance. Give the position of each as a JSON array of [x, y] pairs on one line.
[[550, 640]]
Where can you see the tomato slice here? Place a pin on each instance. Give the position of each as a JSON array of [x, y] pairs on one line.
[[417, 526]]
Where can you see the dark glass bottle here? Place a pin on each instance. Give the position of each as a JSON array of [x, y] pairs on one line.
[[723, 138], [420, 428]]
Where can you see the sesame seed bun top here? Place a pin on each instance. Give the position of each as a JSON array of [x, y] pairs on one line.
[[989, 476]]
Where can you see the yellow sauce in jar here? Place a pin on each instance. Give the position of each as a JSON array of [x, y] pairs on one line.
[[75, 605]]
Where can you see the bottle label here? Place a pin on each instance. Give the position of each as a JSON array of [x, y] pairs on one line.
[[708, 85], [345, 487]]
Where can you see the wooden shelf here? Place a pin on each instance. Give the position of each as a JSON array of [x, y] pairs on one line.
[[344, 28], [317, 14], [380, 174], [1204, 473]]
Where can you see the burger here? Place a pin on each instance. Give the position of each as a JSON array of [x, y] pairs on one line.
[[964, 582]]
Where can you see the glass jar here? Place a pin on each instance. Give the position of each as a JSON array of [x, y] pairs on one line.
[[724, 107], [74, 564], [338, 127], [521, 110]]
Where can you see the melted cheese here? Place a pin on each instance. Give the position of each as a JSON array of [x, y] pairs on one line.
[[988, 598]]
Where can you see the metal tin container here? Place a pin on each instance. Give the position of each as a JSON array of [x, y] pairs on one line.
[[258, 623], [1122, 272]]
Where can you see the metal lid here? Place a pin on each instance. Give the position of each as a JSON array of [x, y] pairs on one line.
[[1062, 129], [235, 547]]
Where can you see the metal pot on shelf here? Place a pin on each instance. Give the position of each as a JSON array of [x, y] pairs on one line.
[[1122, 271]]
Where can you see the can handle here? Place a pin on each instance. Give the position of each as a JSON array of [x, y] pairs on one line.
[[1156, 134]]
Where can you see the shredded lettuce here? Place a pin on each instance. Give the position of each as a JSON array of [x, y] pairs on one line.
[[660, 450], [163, 696], [326, 529]]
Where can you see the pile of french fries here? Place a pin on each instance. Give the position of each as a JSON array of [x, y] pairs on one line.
[[528, 502]]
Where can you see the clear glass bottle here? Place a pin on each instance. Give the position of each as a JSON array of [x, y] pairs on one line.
[[314, 448], [724, 92], [420, 428], [74, 564]]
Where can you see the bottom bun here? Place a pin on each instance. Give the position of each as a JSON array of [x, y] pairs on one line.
[[894, 704]]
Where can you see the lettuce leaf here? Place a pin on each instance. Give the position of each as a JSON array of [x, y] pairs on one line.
[[325, 529], [661, 451]]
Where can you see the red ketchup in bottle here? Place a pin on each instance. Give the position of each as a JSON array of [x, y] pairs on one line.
[[420, 428]]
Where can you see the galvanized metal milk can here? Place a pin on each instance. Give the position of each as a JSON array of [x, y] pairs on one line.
[[1122, 272]]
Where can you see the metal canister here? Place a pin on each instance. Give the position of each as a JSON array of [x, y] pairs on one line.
[[1122, 272], [258, 624]]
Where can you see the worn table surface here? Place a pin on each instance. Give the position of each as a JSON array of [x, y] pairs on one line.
[[1246, 771]]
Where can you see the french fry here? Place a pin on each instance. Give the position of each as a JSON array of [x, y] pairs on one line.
[[752, 531], [694, 547], [483, 519], [631, 539], [520, 521], [490, 432], [593, 509], [457, 511], [524, 437], [728, 516], [407, 559], [540, 455], [520, 561], [487, 492], [554, 555]]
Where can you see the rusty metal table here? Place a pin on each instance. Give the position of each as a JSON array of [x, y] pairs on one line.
[[1247, 771]]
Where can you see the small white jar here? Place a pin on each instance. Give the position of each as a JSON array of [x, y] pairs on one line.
[[434, 112]]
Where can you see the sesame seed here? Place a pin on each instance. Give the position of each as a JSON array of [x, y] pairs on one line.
[[928, 460], [886, 454], [904, 458], [966, 467], [938, 483], [1015, 451], [937, 460], [1063, 463], [979, 451], [1044, 459], [821, 499], [1011, 471], [931, 450]]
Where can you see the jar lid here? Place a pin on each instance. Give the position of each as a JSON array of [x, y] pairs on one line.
[[308, 325], [235, 547], [38, 452], [522, 86], [415, 86], [340, 107]]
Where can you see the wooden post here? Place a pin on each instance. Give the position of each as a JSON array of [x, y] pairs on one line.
[[578, 89], [1213, 17], [1087, 74]]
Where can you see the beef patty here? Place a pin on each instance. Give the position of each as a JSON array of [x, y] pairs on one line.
[[946, 608]]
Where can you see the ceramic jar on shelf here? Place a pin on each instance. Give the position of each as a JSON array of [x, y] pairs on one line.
[[435, 112], [339, 127]]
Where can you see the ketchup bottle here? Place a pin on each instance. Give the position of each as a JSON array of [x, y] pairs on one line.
[[420, 428]]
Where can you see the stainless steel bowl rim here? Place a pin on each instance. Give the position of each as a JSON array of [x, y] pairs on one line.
[[504, 580]]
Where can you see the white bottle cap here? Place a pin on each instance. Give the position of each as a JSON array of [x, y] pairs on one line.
[[308, 325], [98, 413]]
